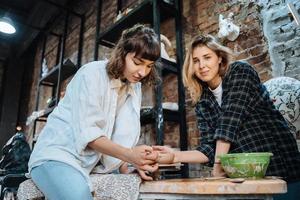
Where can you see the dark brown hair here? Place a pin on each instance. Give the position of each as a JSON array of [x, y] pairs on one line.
[[142, 41]]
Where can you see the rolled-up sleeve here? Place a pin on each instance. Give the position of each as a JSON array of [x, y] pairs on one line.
[[207, 144], [242, 91], [88, 120]]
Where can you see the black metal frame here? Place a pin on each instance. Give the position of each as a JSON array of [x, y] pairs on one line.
[[105, 38], [181, 90], [59, 61], [98, 22]]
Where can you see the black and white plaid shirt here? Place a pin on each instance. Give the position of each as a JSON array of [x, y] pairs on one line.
[[248, 119]]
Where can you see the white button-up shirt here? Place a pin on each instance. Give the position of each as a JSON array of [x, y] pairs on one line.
[[87, 112]]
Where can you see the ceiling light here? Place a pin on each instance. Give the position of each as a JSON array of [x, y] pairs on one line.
[[6, 25]]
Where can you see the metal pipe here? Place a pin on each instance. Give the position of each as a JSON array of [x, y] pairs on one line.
[[98, 24], [80, 43], [62, 55], [158, 88], [181, 91]]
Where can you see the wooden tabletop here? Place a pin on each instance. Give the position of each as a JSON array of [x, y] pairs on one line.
[[218, 187]]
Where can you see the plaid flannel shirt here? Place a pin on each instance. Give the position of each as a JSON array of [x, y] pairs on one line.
[[247, 119]]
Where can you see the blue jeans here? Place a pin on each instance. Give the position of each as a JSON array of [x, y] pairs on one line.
[[60, 181]]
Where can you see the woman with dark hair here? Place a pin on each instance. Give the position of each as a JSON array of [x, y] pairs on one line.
[[98, 121], [234, 112]]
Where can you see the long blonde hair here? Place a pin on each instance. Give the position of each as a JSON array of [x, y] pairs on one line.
[[190, 80]]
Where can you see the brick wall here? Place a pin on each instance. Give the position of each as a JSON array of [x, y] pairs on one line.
[[198, 17]]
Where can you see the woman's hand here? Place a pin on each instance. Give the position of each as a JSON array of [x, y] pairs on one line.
[[145, 175], [141, 156], [218, 170], [163, 149], [138, 156], [165, 154], [147, 172], [165, 158], [123, 169]]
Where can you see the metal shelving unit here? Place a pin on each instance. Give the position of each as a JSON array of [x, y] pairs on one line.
[[67, 69], [63, 69]]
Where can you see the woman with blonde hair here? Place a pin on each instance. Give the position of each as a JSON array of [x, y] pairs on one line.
[[98, 121], [234, 112]]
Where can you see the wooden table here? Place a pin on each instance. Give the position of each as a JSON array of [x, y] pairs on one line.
[[197, 188]]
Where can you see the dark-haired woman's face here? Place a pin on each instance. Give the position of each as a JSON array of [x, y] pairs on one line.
[[136, 68], [206, 65]]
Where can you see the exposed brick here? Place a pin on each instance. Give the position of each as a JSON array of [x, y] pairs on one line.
[[251, 42], [266, 64], [265, 75], [254, 32], [243, 55], [257, 59], [257, 50]]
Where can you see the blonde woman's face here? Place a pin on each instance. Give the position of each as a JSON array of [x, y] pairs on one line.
[[206, 65], [136, 68]]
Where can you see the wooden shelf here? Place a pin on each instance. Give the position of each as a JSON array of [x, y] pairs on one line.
[[67, 69], [143, 13]]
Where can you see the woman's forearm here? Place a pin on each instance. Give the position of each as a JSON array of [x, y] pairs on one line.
[[140, 156], [190, 157], [106, 146], [222, 147]]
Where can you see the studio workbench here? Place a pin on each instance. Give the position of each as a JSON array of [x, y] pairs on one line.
[[198, 188]]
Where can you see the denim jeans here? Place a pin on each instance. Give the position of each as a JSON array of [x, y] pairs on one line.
[[60, 181]]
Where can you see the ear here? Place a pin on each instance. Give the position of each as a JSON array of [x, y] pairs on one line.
[[220, 60]]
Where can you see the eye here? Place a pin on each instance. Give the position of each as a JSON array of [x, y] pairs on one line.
[[195, 61], [136, 61], [207, 57], [150, 66]]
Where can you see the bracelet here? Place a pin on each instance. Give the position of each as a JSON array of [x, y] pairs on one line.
[[217, 163]]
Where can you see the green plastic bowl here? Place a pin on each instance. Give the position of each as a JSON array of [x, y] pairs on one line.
[[245, 165]]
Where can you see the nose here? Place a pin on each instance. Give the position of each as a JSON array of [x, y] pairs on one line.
[[200, 64], [142, 71]]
